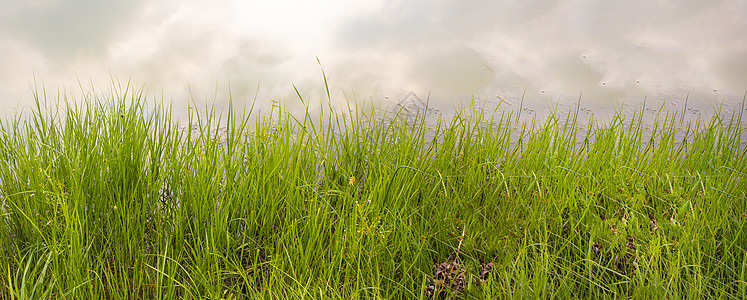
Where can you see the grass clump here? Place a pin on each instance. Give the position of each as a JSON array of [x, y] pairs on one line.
[[114, 199]]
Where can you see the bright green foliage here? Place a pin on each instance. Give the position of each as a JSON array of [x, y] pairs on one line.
[[115, 200]]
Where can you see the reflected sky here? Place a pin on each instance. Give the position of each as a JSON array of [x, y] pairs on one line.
[[552, 50]]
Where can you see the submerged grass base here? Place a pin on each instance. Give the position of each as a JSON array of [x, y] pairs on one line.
[[114, 200]]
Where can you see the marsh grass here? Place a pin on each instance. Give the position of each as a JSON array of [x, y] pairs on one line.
[[111, 198]]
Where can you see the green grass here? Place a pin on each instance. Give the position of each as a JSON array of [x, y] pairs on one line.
[[111, 198]]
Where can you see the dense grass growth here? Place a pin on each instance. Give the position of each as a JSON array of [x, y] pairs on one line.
[[113, 199]]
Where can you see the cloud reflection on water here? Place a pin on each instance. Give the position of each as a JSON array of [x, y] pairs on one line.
[[552, 49]]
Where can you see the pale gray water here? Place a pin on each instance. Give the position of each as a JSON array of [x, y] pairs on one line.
[[553, 49]]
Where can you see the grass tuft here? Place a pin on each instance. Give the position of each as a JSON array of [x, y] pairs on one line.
[[115, 198]]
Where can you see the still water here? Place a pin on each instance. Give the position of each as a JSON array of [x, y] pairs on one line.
[[546, 52]]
